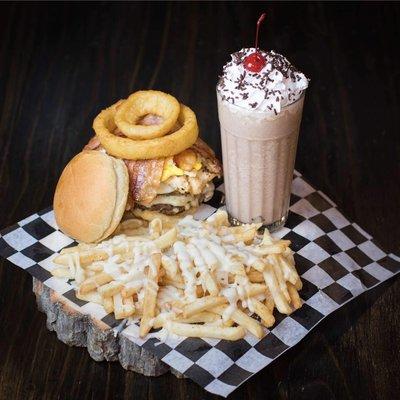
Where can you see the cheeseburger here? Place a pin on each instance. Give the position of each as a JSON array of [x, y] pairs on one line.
[[146, 160]]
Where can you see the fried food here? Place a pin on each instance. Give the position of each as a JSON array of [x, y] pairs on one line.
[[150, 294], [169, 145], [194, 279], [139, 105], [194, 330]]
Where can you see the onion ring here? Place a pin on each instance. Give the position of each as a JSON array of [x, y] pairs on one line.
[[130, 149], [144, 102]]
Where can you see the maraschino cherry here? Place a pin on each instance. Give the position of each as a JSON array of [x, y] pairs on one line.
[[255, 62]]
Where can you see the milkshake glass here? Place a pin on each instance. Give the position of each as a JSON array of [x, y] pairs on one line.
[[260, 116]]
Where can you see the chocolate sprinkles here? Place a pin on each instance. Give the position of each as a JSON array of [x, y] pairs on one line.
[[236, 84]]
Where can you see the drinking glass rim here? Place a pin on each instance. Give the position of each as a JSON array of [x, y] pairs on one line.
[[258, 111]]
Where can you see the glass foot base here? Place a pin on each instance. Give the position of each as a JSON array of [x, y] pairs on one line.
[[274, 226]]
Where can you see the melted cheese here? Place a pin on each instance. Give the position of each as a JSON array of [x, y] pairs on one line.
[[111, 267], [187, 269], [197, 165], [170, 169], [230, 292]]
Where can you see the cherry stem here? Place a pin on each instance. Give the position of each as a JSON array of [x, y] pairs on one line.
[[259, 22]]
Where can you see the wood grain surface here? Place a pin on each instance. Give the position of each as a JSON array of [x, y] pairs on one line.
[[62, 63]]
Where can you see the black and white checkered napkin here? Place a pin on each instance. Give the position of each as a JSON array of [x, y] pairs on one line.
[[336, 259]]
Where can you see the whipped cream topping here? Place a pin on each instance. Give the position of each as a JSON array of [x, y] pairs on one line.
[[278, 84]]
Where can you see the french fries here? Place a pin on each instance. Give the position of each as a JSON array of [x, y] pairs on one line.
[[294, 296], [195, 279], [243, 320], [263, 312], [150, 294], [110, 289], [171, 267], [203, 304], [255, 276], [167, 239], [130, 288], [207, 277], [121, 309], [218, 219], [210, 331], [108, 304], [272, 283], [94, 282], [201, 317], [62, 273], [187, 268]]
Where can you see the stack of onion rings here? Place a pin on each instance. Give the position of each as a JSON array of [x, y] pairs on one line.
[[159, 143], [144, 102]]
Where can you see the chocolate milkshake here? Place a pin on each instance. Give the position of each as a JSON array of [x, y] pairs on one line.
[[260, 101]]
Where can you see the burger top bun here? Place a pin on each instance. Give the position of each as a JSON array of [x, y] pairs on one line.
[[91, 196]]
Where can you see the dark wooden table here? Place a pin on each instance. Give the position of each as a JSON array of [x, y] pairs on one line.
[[62, 63]]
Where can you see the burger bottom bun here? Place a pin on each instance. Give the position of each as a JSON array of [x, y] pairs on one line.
[[91, 195]]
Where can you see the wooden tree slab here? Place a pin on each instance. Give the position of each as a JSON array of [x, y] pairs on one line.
[[77, 329]]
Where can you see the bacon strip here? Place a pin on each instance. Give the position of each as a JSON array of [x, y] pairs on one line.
[[144, 179]]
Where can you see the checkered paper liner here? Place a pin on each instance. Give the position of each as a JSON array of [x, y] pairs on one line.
[[336, 259]]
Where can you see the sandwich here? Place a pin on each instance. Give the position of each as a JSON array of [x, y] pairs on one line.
[[97, 189]]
